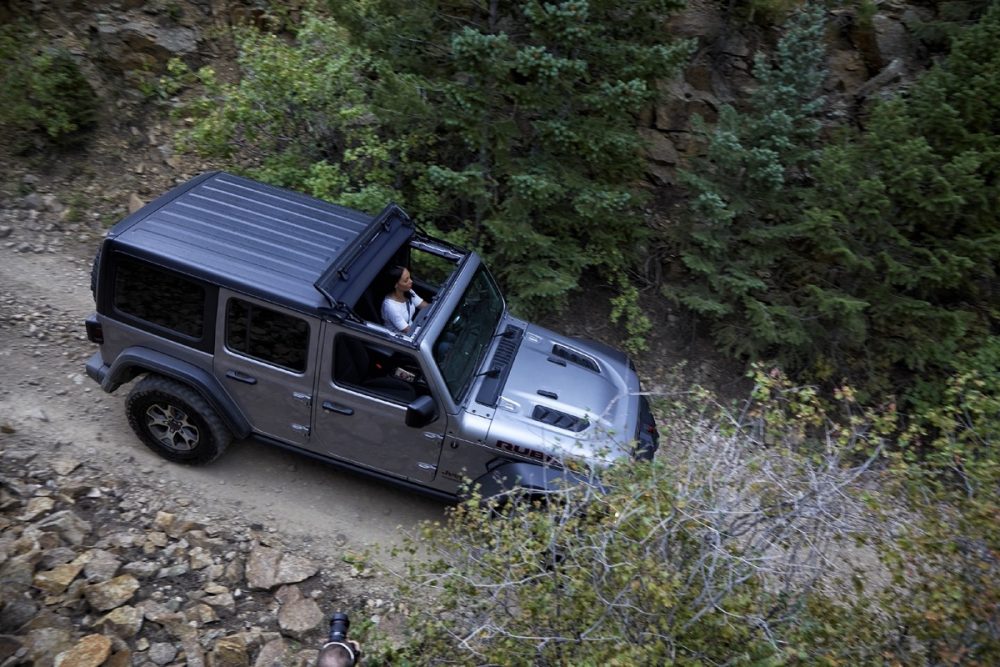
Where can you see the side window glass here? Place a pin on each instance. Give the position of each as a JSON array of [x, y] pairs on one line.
[[159, 297], [373, 369], [267, 335]]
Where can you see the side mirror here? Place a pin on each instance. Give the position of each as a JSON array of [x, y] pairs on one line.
[[421, 412]]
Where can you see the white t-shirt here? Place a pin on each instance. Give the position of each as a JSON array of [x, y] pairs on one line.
[[398, 315]]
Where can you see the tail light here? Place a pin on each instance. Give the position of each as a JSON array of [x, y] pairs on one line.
[[95, 332]]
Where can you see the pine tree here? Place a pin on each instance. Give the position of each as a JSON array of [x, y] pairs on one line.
[[740, 236], [915, 201], [526, 115], [877, 253]]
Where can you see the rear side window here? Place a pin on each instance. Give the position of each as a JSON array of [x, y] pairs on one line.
[[267, 335], [159, 297]]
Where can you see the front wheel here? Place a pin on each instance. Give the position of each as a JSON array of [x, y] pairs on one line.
[[175, 422]]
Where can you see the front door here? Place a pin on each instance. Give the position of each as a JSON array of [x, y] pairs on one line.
[[264, 357], [365, 385]]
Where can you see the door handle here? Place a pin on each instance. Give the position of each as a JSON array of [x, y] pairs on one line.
[[241, 377], [336, 407]]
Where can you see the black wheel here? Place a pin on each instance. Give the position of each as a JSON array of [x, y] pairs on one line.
[[175, 422]]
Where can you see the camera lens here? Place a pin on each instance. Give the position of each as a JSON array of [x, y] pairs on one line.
[[339, 623]]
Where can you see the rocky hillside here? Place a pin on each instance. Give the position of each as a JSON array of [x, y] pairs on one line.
[[98, 571]]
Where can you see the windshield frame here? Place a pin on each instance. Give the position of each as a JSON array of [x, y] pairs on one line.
[[470, 327]]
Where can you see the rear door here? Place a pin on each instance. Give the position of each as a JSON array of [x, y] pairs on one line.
[[265, 356], [364, 387]]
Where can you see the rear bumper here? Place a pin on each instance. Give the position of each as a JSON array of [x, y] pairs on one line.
[[97, 370]]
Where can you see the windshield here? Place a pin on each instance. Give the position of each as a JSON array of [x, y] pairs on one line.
[[464, 340]]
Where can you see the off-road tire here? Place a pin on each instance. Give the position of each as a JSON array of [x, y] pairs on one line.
[[175, 422]]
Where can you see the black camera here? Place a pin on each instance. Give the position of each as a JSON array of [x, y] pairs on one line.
[[338, 652], [339, 623]]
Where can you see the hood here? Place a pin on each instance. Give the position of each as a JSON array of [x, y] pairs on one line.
[[567, 397]]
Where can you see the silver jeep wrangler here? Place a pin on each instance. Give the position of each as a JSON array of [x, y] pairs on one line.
[[253, 311]]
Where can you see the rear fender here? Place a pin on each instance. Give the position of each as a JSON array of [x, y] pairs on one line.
[[135, 361]]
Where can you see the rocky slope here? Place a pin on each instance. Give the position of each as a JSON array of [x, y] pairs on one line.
[[97, 571]]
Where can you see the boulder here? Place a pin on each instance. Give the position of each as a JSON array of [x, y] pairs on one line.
[[268, 568]]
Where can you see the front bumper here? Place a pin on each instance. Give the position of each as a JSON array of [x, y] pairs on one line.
[[647, 438]]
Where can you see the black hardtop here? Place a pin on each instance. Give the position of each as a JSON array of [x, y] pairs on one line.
[[265, 241]]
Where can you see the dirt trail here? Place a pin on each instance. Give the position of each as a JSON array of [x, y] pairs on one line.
[[44, 298]]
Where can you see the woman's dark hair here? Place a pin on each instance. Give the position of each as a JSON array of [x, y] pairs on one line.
[[392, 276]]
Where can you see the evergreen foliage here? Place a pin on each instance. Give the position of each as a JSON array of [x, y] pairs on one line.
[[877, 253], [741, 238], [525, 114], [912, 209]]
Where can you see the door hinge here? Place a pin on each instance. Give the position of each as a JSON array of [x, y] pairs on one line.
[[305, 398], [433, 436], [299, 428]]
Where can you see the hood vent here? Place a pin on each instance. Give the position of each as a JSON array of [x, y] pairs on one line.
[[574, 357], [559, 419]]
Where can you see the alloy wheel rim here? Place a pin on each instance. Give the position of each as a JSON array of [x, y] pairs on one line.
[[172, 427]]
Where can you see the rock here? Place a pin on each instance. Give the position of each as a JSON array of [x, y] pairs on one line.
[[893, 39], [42, 645], [102, 566], [699, 19], [32, 202], [163, 521], [297, 618], [267, 568], [65, 466], [36, 507], [173, 571], [288, 594], [15, 613], [275, 653], [57, 556], [222, 602], [124, 622], [121, 658], [8, 646], [56, 580], [229, 652], [199, 558], [201, 614], [141, 44], [162, 653], [141, 569], [107, 595], [659, 148], [5, 231], [68, 525], [193, 651], [91, 651]]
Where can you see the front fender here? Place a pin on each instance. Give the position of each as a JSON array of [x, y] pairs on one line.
[[134, 361], [528, 476]]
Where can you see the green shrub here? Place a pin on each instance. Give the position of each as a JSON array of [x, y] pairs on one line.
[[42, 91]]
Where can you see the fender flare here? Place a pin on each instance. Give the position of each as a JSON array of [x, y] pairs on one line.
[[523, 475], [134, 361]]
